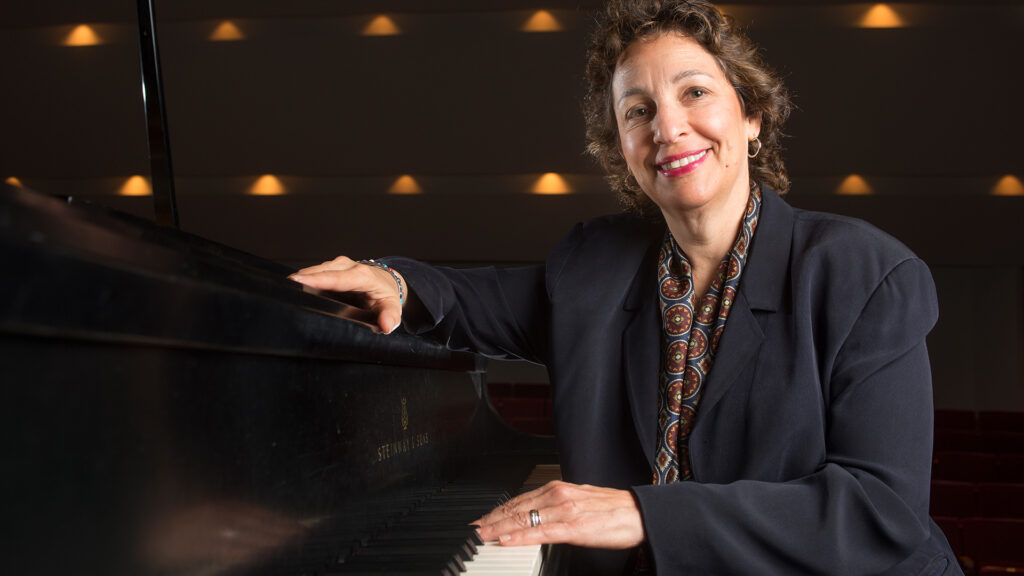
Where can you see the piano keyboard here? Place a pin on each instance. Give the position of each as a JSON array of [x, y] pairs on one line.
[[541, 475], [436, 539], [493, 559]]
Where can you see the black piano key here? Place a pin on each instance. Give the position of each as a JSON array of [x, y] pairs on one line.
[[427, 563], [390, 571], [460, 544], [413, 552]]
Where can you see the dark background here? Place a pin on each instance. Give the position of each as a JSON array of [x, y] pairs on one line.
[[476, 110]]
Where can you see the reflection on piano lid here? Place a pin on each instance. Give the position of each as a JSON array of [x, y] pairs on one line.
[[178, 407]]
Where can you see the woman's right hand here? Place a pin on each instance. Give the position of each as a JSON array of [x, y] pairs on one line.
[[375, 284]]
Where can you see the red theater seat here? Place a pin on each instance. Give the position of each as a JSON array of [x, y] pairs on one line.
[[1010, 468], [1002, 569], [955, 419], [951, 528], [959, 441], [1001, 500], [955, 499], [997, 570], [993, 441], [1004, 442], [1000, 420], [993, 541], [964, 466]]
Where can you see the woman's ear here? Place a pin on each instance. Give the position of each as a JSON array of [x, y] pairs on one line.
[[753, 126]]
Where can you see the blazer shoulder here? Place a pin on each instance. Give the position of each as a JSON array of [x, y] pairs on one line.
[[850, 240], [620, 225], [841, 262], [602, 246]]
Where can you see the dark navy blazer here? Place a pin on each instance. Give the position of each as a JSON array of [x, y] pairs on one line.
[[811, 450]]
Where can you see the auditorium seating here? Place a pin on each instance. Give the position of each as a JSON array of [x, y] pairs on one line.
[[954, 499], [993, 541], [965, 466], [1001, 500], [1001, 420], [523, 406], [970, 499], [977, 496]]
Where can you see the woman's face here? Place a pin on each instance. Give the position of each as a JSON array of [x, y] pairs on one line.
[[682, 130]]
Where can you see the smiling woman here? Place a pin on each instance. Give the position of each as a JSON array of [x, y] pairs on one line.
[[739, 387], [732, 58], [676, 112], [684, 136]]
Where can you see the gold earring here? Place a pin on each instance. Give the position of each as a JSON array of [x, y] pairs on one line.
[[755, 145]]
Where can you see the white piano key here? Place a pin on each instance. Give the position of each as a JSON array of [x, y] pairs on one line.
[[493, 559]]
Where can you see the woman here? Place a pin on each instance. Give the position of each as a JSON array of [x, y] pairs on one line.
[[739, 387]]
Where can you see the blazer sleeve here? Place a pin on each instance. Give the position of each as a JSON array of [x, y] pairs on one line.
[[502, 313], [865, 509], [495, 312]]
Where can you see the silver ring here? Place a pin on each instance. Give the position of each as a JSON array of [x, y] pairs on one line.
[[534, 518]]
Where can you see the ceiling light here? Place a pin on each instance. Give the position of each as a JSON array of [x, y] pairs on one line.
[[551, 183], [1008, 185], [267, 185], [82, 35], [135, 186], [542, 21], [881, 16], [227, 31], [381, 26], [854, 185], [405, 184]]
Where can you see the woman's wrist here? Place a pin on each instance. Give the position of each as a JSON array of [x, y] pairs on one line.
[[392, 272]]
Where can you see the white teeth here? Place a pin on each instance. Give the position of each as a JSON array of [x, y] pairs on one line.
[[683, 161]]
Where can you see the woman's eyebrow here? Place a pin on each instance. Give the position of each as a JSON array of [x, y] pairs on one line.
[[675, 80], [688, 73]]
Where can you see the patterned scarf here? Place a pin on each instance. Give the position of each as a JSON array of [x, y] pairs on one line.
[[691, 341]]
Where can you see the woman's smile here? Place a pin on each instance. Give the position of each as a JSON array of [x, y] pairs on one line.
[[680, 164]]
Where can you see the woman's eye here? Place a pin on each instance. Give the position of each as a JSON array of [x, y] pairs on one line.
[[698, 92], [636, 113]]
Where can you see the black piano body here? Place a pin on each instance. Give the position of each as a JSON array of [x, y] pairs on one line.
[[173, 406]]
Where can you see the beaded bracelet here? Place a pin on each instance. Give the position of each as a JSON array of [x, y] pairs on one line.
[[389, 270]]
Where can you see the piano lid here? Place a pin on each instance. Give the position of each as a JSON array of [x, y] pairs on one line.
[[133, 280]]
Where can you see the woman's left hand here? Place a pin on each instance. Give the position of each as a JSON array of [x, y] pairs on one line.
[[576, 514]]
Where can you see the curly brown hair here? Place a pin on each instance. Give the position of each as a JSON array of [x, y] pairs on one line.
[[760, 90]]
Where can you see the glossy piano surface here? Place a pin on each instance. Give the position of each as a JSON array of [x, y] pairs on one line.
[[172, 406]]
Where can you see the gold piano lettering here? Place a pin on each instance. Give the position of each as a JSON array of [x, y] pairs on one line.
[[401, 446]]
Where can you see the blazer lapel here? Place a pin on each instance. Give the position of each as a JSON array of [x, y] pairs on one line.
[[641, 349], [740, 342], [762, 288]]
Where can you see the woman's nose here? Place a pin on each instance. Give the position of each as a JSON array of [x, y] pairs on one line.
[[670, 124]]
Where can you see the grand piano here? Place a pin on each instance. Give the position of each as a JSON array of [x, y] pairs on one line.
[[173, 406]]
